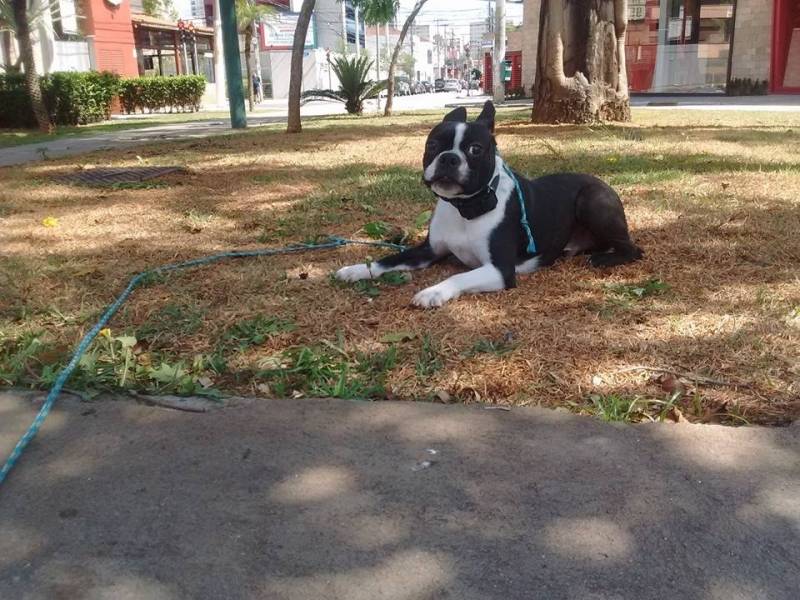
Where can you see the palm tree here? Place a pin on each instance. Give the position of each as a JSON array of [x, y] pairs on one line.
[[22, 28], [406, 26], [293, 124], [354, 84], [248, 14]]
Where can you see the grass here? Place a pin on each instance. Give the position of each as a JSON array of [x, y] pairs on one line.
[[19, 137], [712, 199]]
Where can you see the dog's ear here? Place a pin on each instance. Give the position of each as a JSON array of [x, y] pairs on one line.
[[487, 115], [459, 115]]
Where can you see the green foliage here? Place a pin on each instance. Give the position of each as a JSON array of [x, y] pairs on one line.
[[747, 87], [377, 229], [15, 105], [18, 357], [613, 407], [255, 331], [79, 98], [329, 372], [428, 361], [70, 98], [639, 290], [248, 13], [354, 84], [378, 12], [182, 93]]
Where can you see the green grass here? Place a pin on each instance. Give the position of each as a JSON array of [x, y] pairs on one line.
[[20, 137]]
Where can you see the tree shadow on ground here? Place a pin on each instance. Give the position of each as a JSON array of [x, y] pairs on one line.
[[303, 499]]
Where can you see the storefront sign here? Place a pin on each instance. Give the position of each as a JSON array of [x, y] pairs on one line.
[[636, 10], [277, 31]]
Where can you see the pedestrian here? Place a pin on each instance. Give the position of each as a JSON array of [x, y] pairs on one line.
[[257, 87]]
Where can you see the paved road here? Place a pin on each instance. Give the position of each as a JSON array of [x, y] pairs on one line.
[[316, 499]]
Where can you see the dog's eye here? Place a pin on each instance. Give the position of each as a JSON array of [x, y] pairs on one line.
[[431, 146], [475, 150]]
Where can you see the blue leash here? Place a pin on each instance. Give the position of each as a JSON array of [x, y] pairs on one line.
[[64, 375]]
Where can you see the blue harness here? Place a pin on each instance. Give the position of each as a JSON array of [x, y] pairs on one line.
[[523, 212]]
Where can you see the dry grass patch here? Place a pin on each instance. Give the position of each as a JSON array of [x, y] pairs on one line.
[[706, 327]]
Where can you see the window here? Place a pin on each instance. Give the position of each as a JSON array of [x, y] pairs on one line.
[[678, 46]]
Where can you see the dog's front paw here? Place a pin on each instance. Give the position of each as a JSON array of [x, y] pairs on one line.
[[434, 296], [353, 273]]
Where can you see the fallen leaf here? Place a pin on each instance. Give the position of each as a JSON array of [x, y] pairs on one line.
[[398, 337], [442, 396]]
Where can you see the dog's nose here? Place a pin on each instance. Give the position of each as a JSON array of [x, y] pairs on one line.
[[450, 159]]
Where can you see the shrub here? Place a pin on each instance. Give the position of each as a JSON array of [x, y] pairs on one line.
[[15, 106], [181, 93], [747, 87], [70, 98], [354, 84], [79, 98]]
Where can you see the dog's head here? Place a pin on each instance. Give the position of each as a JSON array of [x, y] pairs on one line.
[[459, 156]]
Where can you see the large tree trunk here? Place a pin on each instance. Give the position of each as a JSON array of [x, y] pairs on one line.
[[580, 70], [296, 73], [248, 59], [390, 83], [26, 54]]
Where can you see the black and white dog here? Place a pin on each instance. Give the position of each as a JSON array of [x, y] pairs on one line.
[[480, 219]]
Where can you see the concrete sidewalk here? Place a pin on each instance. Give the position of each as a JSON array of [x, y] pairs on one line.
[[324, 499]]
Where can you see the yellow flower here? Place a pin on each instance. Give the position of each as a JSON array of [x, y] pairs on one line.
[[612, 159], [50, 222], [106, 332]]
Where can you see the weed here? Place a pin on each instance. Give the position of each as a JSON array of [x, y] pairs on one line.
[[638, 291], [256, 330], [329, 372], [17, 357], [377, 229], [195, 222], [175, 319], [372, 287], [428, 361], [496, 347], [613, 407]]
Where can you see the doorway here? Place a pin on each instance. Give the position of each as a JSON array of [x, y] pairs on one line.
[[785, 64]]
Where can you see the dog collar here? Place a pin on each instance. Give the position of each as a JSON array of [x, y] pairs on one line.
[[478, 203]]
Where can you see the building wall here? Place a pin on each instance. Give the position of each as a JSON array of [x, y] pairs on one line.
[[530, 41], [112, 37], [752, 39]]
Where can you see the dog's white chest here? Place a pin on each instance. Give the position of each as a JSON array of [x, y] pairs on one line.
[[467, 240]]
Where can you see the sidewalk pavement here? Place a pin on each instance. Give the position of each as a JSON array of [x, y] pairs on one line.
[[329, 499]]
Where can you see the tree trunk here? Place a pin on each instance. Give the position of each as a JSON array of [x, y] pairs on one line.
[[390, 83], [296, 74], [248, 59], [29, 64], [580, 66]]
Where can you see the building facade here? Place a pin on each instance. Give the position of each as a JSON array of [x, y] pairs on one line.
[[699, 46]]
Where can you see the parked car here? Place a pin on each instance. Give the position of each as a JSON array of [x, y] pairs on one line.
[[428, 87], [451, 85], [419, 88], [438, 85]]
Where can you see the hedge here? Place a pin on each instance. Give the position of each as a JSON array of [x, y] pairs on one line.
[[179, 93], [71, 98], [15, 106]]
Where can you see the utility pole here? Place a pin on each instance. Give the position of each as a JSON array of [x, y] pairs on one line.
[[499, 52], [344, 26], [378, 61], [233, 66], [219, 58], [358, 34]]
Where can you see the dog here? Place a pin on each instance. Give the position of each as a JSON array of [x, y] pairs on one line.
[[481, 220]]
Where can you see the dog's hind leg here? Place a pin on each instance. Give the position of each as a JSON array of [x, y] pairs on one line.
[[600, 211], [417, 257]]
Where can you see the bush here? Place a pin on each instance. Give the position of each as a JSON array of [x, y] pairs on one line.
[[179, 93], [79, 98], [15, 106], [747, 87], [70, 98]]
